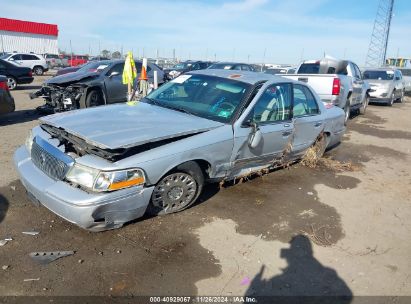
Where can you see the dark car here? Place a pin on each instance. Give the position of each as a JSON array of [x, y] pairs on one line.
[[184, 67], [15, 74], [95, 84], [71, 69], [232, 66], [6, 100]]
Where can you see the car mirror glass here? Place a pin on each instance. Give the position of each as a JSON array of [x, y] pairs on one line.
[[114, 73], [255, 136]]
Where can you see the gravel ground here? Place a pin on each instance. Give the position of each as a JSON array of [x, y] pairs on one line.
[[340, 228]]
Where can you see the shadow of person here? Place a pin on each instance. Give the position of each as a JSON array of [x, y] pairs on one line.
[[4, 205], [303, 277]]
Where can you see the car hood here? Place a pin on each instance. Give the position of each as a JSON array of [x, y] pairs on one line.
[[124, 126], [71, 77]]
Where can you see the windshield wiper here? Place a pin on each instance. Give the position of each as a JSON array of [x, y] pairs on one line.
[[160, 104]]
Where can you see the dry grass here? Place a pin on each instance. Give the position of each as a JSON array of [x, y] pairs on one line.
[[312, 160]]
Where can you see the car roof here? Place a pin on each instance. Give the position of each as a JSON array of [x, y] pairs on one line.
[[243, 76], [231, 63]]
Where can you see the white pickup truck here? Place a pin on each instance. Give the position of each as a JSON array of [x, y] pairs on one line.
[[336, 81]]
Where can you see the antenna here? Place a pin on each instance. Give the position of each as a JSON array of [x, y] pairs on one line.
[[377, 51]]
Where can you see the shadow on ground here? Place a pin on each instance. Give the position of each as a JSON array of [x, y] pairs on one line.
[[304, 276], [4, 206], [19, 117]]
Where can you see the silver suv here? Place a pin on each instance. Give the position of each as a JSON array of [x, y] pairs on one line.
[[37, 63]]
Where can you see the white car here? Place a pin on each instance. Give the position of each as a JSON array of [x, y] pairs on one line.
[[37, 63]]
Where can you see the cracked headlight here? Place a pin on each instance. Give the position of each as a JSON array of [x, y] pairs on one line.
[[99, 181], [29, 141]]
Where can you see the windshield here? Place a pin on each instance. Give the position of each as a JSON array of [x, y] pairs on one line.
[[98, 66], [181, 66], [205, 96], [4, 56], [379, 75]]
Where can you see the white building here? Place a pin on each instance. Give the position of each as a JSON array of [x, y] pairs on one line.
[[26, 36]]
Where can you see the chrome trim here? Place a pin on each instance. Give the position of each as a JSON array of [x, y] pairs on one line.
[[69, 161]]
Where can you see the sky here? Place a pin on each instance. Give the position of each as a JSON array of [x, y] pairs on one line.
[[253, 31]]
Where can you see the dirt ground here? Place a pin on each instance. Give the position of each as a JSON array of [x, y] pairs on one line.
[[295, 231]]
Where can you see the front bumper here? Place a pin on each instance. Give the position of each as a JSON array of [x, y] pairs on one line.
[[380, 99], [91, 211], [25, 80]]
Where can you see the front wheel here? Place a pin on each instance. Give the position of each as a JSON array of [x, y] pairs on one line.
[[94, 99], [177, 190], [401, 99], [392, 99]]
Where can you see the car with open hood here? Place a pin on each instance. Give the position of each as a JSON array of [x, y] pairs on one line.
[[102, 167], [96, 83]]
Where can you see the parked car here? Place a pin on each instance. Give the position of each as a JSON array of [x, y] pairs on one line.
[[97, 83], [37, 63], [406, 76], [6, 100], [15, 74], [232, 66], [53, 61], [113, 164], [76, 60], [387, 85], [184, 67], [338, 82]]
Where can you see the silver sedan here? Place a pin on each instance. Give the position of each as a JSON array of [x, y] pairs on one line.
[[102, 167]]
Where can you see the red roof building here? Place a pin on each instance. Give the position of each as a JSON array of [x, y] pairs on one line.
[[27, 36]]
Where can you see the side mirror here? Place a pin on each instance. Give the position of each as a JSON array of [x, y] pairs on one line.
[[114, 73], [255, 136], [11, 59]]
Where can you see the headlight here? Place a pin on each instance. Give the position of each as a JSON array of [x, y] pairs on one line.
[[96, 180], [82, 175], [29, 141]]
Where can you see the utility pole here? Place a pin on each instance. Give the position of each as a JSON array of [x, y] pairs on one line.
[[377, 51], [262, 66]]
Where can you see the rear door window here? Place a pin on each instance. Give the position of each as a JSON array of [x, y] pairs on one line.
[[309, 68], [304, 102]]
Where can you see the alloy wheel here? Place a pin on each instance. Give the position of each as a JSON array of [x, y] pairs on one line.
[[11, 83]]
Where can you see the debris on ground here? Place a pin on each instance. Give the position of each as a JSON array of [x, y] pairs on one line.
[[245, 281], [5, 267], [8, 239], [312, 160], [3, 242], [31, 232], [47, 257], [310, 193], [29, 280], [80, 261], [13, 188]]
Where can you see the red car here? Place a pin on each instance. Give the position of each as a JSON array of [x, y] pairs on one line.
[[76, 60]]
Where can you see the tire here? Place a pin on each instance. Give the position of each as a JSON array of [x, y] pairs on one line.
[[11, 83], [347, 111], [364, 105], [94, 99], [392, 99], [320, 145], [177, 190], [401, 99], [38, 70]]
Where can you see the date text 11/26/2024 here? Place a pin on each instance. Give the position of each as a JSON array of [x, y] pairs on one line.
[[203, 299]]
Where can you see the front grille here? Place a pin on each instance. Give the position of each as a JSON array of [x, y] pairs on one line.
[[48, 163]]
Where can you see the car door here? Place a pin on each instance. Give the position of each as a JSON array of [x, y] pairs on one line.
[[307, 119], [16, 59], [399, 85], [271, 115], [116, 91]]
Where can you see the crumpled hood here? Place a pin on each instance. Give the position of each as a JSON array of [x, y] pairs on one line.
[[70, 77], [123, 126]]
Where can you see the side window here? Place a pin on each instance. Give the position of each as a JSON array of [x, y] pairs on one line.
[[304, 101], [237, 68], [16, 57], [117, 68], [245, 68], [26, 57], [357, 71], [274, 105]]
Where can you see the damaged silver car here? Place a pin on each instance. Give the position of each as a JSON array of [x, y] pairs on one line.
[[102, 167]]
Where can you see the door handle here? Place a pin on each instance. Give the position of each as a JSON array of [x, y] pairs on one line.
[[318, 124], [287, 133]]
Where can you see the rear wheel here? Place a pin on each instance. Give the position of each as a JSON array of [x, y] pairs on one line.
[[11, 83], [347, 111], [364, 105], [94, 98], [320, 145], [38, 70], [177, 190]]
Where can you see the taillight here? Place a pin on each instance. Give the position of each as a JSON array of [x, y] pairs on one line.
[[30, 73], [3, 85], [336, 86]]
